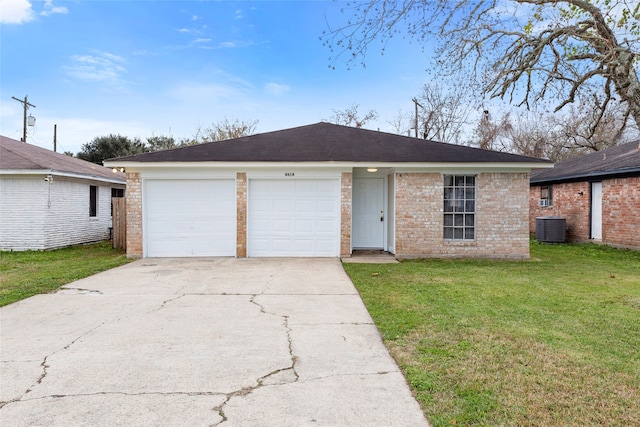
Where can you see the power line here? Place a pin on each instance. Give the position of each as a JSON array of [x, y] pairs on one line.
[[25, 107]]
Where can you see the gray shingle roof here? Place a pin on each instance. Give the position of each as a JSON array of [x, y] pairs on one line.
[[326, 142], [18, 156], [619, 160]]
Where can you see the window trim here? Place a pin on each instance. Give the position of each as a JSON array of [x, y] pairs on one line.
[[93, 201], [457, 199], [546, 196]]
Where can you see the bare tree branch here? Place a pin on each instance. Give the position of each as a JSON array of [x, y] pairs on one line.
[[526, 51], [351, 117]]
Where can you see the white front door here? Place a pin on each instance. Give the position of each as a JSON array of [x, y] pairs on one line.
[[368, 213], [596, 210]]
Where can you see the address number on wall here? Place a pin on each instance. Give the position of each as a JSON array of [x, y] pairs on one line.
[[289, 174]]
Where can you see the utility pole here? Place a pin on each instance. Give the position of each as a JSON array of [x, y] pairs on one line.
[[415, 101], [25, 107]]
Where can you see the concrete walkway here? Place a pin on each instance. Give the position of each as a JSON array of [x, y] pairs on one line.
[[233, 342]]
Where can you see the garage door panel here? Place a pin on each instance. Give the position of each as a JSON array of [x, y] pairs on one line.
[[326, 226], [303, 245], [301, 220], [305, 206], [282, 206], [326, 207], [189, 218], [303, 227], [324, 245], [281, 226]]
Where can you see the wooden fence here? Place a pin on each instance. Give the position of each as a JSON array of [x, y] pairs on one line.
[[119, 218]]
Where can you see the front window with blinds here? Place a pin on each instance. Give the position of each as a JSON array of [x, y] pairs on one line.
[[459, 207]]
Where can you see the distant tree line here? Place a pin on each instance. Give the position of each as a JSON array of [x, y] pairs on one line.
[[444, 115], [111, 146]]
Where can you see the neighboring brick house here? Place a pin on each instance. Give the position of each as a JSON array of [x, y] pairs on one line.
[[327, 190], [598, 194], [49, 200]]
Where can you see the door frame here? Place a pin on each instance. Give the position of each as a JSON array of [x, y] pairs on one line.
[[388, 208], [595, 223]]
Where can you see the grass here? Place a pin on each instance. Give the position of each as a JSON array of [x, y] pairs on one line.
[[24, 274], [546, 342]]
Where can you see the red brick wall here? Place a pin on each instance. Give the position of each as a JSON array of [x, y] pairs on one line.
[[621, 212], [419, 201], [241, 215], [570, 201], [134, 215], [345, 213], [501, 219]]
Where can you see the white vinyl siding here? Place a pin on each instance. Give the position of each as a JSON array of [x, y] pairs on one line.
[[31, 218]]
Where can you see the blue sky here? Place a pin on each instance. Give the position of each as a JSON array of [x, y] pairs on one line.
[[143, 68]]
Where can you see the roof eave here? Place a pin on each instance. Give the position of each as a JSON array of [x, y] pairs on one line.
[[591, 176], [114, 180], [130, 165]]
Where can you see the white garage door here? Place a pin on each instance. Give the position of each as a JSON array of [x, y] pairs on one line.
[[294, 217], [190, 218]]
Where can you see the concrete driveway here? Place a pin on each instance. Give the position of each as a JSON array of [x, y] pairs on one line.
[[237, 342]]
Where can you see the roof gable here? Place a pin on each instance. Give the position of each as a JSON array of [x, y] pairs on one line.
[[620, 159], [326, 142], [19, 156]]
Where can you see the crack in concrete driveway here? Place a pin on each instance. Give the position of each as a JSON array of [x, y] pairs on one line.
[[201, 342]]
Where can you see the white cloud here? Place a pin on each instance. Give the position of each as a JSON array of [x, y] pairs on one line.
[[99, 67], [276, 88], [236, 43], [50, 9], [15, 12]]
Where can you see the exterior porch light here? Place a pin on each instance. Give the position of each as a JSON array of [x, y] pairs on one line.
[[372, 170]]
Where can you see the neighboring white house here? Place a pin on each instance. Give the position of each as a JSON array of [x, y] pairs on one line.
[[50, 200]]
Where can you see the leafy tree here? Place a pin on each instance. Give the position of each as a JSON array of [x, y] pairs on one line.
[[107, 147], [526, 51], [161, 142], [351, 117]]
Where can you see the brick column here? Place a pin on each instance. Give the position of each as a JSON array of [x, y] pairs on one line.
[[241, 215], [345, 214], [134, 215]]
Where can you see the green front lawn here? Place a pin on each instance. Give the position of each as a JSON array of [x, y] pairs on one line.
[[24, 274], [552, 341]]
